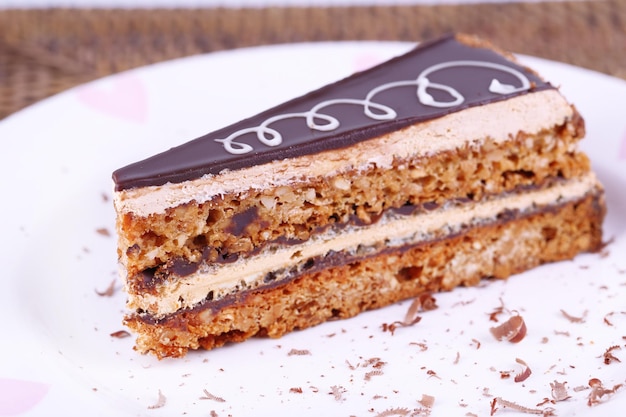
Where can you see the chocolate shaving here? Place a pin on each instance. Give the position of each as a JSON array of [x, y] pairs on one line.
[[424, 302], [337, 392], [295, 390], [559, 391], [109, 291], [299, 352], [513, 330], [394, 412], [374, 363], [209, 396], [160, 402], [608, 355], [120, 334], [545, 401], [514, 406], [522, 376], [493, 316], [427, 401], [598, 391], [463, 303], [574, 319], [370, 374], [423, 346]]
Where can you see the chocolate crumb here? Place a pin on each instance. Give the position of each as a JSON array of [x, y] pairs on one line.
[[103, 231], [120, 334], [430, 372], [109, 291]]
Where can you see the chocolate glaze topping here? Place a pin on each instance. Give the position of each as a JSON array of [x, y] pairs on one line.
[[430, 81]]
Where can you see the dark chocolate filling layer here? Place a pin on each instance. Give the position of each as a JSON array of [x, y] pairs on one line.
[[293, 136]]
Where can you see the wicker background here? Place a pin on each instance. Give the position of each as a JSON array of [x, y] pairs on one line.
[[43, 52]]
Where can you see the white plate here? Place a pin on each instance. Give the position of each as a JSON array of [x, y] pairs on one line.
[[57, 356]]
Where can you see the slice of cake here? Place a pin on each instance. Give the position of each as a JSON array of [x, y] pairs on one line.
[[438, 168]]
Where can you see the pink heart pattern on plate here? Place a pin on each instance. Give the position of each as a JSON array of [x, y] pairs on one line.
[[18, 396], [122, 96]]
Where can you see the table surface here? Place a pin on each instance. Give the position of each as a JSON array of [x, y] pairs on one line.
[[44, 51]]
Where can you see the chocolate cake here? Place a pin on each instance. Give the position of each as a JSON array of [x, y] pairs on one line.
[[438, 168]]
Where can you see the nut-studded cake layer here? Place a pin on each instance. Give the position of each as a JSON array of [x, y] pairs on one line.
[[234, 224], [496, 250]]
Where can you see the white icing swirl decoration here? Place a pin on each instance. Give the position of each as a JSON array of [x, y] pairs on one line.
[[317, 120]]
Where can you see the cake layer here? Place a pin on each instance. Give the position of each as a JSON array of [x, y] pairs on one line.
[[212, 281], [308, 198], [497, 249]]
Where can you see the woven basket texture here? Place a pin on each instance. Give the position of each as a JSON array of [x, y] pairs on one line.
[[45, 51]]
